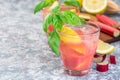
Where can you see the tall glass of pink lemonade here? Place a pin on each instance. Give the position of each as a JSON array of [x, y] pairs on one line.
[[77, 47]]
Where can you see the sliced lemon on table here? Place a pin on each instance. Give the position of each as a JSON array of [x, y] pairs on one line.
[[104, 48], [95, 6], [68, 35]]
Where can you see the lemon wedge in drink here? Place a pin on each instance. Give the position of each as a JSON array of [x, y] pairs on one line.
[[68, 35], [95, 6], [81, 65], [104, 48]]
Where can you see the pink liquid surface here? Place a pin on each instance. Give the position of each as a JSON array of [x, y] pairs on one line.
[[79, 60]]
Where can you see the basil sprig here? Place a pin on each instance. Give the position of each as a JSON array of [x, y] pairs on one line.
[[54, 19], [72, 3], [57, 19], [70, 18], [54, 42], [42, 5]]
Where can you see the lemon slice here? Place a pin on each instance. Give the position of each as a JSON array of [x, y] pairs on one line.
[[68, 35], [80, 1], [95, 6], [104, 48], [81, 65], [79, 48]]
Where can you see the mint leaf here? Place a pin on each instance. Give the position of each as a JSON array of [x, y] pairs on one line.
[[71, 18], [57, 22], [54, 42], [56, 9], [72, 3], [47, 22], [40, 6]]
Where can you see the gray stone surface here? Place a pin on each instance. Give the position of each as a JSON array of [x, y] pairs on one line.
[[24, 53]]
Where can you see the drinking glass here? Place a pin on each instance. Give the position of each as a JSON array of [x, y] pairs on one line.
[[63, 7], [77, 48]]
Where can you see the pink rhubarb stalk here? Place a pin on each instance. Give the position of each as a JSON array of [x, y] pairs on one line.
[[107, 29], [108, 21]]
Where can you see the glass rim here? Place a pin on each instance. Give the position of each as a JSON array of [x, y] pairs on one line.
[[91, 24]]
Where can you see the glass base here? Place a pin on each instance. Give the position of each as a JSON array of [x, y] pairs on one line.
[[76, 73]]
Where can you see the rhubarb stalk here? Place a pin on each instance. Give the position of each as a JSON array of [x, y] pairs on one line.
[[108, 21], [112, 59], [102, 67], [107, 29]]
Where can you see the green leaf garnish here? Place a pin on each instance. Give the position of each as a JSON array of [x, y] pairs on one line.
[[54, 42], [50, 1], [57, 22], [47, 22], [71, 18], [56, 9], [42, 5], [72, 3]]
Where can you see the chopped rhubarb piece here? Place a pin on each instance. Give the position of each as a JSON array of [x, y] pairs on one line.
[[104, 57], [112, 59], [108, 21], [102, 67], [99, 58]]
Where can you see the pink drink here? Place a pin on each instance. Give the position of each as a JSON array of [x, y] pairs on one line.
[[77, 56]]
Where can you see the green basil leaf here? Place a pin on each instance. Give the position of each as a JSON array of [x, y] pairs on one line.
[[56, 9], [47, 22], [40, 6], [49, 1], [67, 17], [71, 18], [57, 22], [64, 19], [72, 3], [54, 42]]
